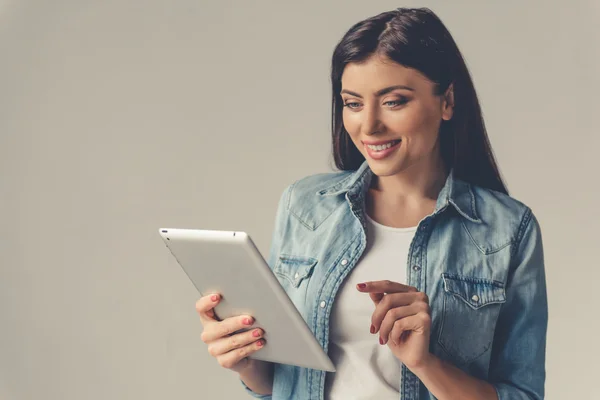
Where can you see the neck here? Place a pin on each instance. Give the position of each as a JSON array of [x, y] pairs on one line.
[[419, 181]]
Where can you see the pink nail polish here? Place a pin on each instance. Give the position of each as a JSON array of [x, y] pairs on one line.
[[362, 285], [214, 297], [260, 343], [372, 329], [380, 341], [256, 333], [247, 321]]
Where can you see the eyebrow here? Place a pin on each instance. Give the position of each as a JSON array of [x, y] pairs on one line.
[[380, 92]]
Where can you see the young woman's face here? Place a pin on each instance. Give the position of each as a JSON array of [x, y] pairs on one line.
[[392, 115]]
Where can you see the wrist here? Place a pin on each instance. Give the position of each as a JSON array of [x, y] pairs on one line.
[[257, 375], [429, 363], [247, 366], [252, 366]]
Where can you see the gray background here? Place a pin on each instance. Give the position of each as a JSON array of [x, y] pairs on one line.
[[119, 117]]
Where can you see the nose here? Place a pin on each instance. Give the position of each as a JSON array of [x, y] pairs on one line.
[[371, 123]]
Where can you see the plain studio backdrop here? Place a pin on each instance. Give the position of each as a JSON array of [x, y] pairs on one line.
[[119, 117]]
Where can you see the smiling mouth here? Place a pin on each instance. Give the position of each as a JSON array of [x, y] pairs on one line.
[[381, 147]]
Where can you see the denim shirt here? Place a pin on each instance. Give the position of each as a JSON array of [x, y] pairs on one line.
[[478, 257]]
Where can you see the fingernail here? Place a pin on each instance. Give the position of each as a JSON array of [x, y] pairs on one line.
[[256, 333], [372, 329], [362, 285], [381, 341], [247, 321], [214, 297], [260, 343]]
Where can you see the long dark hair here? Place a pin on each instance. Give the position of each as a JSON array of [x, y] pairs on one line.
[[416, 38]]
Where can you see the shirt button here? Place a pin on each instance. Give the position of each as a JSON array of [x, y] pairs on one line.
[[475, 298], [344, 261], [416, 268], [296, 275], [323, 304]]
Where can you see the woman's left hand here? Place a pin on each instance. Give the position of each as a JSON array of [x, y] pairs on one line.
[[403, 319]]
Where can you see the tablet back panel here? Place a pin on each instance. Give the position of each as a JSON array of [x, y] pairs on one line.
[[230, 264]]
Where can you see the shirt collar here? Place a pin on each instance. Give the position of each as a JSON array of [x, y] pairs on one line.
[[455, 192]]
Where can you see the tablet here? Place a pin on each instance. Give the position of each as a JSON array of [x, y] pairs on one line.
[[229, 263]]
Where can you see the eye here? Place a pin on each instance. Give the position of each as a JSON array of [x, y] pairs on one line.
[[399, 102], [351, 104]]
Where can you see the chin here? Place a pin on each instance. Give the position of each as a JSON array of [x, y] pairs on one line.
[[386, 168]]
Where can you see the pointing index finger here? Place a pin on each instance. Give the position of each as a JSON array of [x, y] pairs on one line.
[[385, 286]]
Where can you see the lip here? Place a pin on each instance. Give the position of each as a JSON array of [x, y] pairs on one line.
[[380, 155]]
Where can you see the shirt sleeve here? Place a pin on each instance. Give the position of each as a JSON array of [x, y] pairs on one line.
[[254, 394], [517, 368], [278, 232]]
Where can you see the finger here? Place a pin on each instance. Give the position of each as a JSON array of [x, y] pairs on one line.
[[205, 306], [415, 323], [394, 315], [234, 358], [217, 330], [229, 343], [384, 287], [389, 302]]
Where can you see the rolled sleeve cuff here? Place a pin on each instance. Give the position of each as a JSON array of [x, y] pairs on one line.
[[254, 394], [508, 392]]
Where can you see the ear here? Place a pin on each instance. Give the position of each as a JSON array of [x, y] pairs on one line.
[[448, 103]]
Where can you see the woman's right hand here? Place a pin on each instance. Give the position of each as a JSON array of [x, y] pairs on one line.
[[230, 350]]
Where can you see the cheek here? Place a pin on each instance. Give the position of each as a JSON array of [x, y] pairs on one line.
[[352, 125], [418, 120], [350, 122], [420, 126]]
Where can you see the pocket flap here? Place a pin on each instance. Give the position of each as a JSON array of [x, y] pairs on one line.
[[476, 292], [294, 268]]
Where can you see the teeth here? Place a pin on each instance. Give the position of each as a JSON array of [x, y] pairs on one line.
[[381, 146]]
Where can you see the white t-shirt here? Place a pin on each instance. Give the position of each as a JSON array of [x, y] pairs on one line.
[[364, 368]]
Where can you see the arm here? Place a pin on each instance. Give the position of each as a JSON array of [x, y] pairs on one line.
[[258, 377], [519, 350], [517, 366], [447, 382], [402, 309]]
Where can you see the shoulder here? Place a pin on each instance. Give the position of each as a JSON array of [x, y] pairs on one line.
[[304, 198], [313, 184], [507, 206], [503, 216], [306, 189], [504, 205]]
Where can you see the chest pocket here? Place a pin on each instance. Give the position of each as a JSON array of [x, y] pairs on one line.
[[293, 273], [471, 308]]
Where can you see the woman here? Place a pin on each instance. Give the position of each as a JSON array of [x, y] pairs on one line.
[[412, 266]]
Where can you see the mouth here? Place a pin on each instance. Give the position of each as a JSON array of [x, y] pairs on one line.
[[381, 150], [382, 146]]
